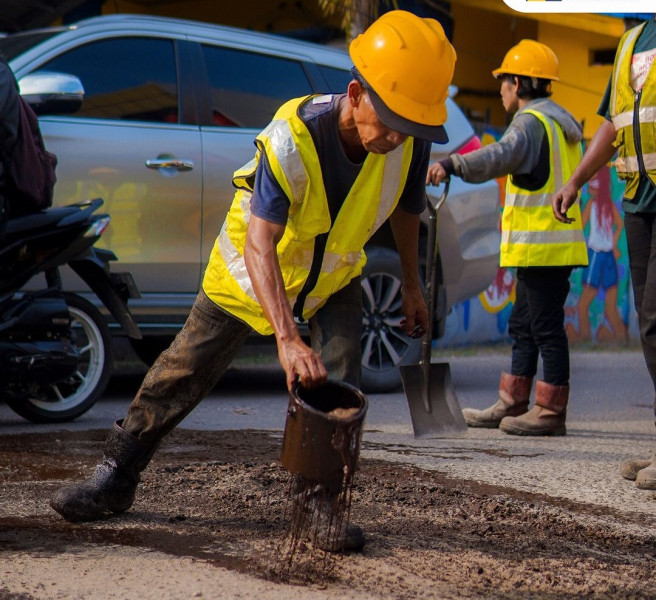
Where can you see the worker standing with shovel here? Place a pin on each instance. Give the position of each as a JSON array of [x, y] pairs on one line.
[[539, 151], [328, 171]]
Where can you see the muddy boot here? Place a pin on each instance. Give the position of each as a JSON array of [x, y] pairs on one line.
[[548, 415], [514, 394], [352, 540], [112, 486]]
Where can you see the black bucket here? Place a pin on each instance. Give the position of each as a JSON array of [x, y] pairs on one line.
[[323, 432]]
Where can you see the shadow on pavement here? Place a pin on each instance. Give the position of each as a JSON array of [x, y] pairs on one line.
[[269, 378]]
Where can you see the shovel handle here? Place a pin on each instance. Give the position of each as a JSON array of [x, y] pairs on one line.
[[431, 259]]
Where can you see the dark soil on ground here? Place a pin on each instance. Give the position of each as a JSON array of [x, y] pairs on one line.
[[223, 498]]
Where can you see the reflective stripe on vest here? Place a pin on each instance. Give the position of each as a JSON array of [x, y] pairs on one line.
[[530, 234], [294, 163], [630, 123]]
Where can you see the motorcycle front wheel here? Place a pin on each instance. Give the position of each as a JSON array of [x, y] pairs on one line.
[[68, 399]]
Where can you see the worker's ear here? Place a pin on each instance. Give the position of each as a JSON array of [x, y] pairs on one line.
[[354, 92]]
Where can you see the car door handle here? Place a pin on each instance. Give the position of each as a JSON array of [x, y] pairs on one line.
[[179, 164]]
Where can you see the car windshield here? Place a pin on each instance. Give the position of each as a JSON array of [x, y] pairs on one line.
[[17, 43]]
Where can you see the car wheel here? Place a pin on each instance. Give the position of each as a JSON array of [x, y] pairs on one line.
[[384, 344], [73, 397]]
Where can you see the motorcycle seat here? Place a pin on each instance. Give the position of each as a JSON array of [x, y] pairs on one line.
[[46, 219]]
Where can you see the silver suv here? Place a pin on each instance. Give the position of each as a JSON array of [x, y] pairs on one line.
[[170, 109]]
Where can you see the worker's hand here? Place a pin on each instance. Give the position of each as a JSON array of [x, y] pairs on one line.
[[562, 200], [436, 173], [299, 360], [413, 305]]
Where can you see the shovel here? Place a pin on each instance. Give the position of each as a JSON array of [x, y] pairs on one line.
[[434, 408]]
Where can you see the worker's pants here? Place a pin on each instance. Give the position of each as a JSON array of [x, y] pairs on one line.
[[641, 240], [209, 341], [537, 323]]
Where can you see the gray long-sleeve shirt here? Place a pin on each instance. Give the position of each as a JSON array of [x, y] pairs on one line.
[[519, 151]]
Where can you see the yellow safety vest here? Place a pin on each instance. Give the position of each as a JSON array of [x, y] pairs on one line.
[[294, 163], [634, 117], [530, 235]]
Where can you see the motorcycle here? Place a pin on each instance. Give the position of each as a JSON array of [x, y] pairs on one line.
[[56, 346]]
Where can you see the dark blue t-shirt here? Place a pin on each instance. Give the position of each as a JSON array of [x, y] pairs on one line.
[[269, 202]]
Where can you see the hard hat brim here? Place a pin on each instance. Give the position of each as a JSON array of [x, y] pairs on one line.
[[395, 122], [497, 73]]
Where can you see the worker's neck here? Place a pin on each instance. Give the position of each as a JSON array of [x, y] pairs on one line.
[[349, 135], [523, 102]]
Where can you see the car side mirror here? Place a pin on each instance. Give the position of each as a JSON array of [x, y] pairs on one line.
[[51, 93]]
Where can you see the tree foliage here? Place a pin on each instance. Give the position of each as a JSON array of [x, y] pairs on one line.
[[355, 15]]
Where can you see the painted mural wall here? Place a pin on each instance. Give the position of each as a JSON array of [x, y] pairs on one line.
[[599, 308]]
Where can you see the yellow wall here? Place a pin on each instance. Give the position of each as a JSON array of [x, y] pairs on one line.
[[581, 85], [261, 15], [482, 36], [481, 39]]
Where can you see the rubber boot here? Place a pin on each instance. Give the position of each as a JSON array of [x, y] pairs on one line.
[[514, 394], [352, 540], [112, 487], [548, 415]]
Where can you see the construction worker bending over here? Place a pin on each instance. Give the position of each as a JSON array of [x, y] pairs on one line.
[[539, 151], [292, 245]]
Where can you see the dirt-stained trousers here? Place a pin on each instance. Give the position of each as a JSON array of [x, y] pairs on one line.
[[209, 341]]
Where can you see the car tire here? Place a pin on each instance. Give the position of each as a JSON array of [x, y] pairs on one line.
[[68, 400], [384, 344]]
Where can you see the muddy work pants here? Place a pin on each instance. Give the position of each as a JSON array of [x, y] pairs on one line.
[[209, 341]]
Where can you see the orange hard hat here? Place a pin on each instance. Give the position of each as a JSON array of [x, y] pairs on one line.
[[531, 59], [408, 63]]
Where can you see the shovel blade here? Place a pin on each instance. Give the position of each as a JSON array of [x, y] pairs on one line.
[[434, 408]]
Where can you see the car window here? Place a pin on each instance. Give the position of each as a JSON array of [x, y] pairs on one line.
[[338, 79], [124, 78], [247, 88]]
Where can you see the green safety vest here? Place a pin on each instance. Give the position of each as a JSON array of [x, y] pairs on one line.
[[294, 163], [634, 117], [530, 234]]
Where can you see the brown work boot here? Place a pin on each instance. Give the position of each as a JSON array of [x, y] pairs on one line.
[[547, 417], [646, 478], [630, 468], [514, 394], [640, 470]]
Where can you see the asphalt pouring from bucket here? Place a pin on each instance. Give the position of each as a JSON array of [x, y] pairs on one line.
[[320, 449]]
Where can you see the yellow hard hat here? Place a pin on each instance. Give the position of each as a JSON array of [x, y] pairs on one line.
[[407, 65], [529, 58]]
